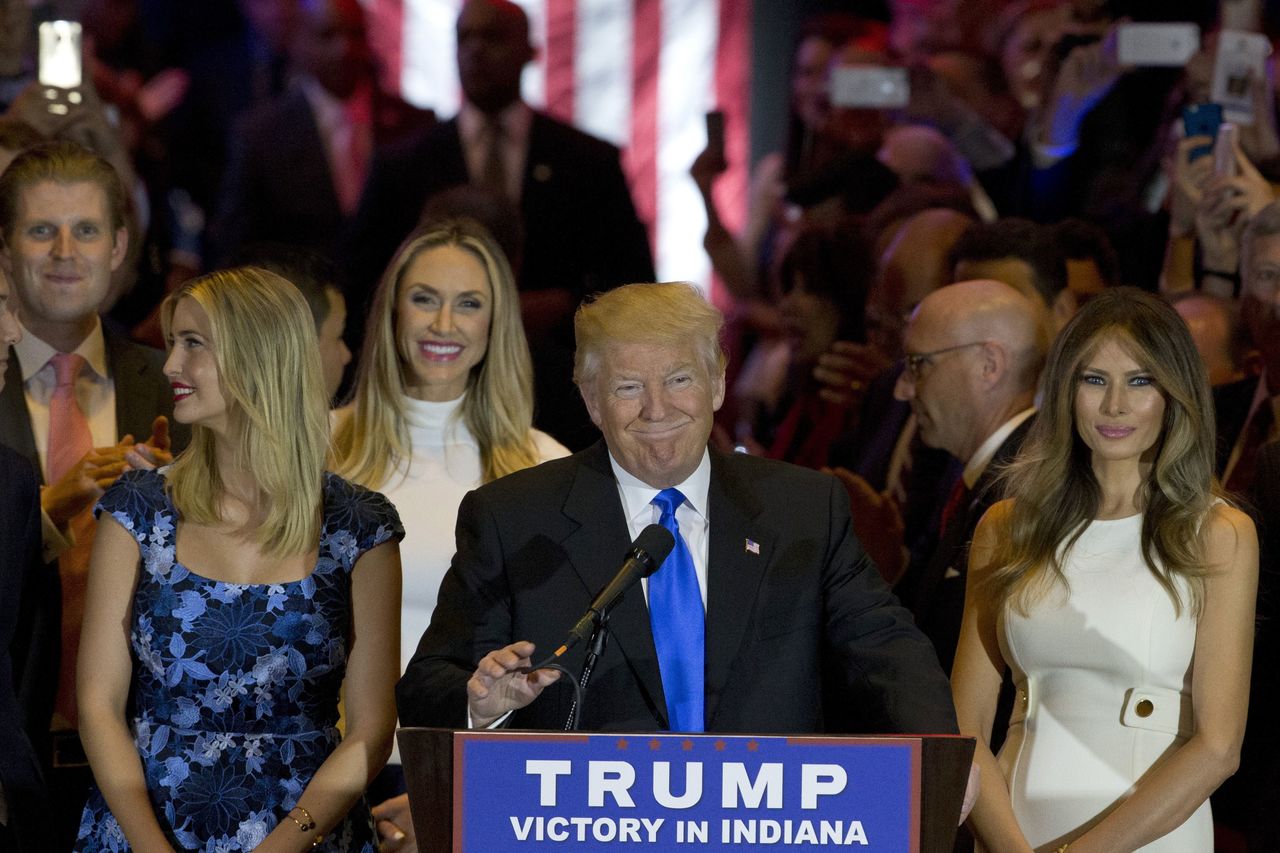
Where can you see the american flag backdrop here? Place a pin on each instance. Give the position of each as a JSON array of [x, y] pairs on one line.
[[638, 73]]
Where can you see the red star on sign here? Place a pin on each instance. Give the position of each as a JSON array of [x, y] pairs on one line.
[[687, 745], [622, 743], [654, 744], [719, 746], [752, 746]]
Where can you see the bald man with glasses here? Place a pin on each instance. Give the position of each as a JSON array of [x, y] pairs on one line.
[[972, 358]]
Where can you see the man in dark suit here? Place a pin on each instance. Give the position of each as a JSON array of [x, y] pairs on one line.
[[1247, 410], [76, 397], [768, 616], [299, 162], [1260, 755], [22, 797], [974, 351], [582, 233]]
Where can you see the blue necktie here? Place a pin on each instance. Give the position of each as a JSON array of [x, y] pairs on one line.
[[677, 620]]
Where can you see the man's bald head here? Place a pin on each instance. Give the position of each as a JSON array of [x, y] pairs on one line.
[[974, 352]]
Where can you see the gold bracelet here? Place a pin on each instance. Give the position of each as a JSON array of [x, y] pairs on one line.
[[1063, 848], [310, 823], [306, 826]]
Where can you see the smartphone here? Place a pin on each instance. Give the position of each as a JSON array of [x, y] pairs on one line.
[[1241, 59], [715, 132], [1224, 150], [1163, 45], [60, 61], [1201, 120], [870, 87]]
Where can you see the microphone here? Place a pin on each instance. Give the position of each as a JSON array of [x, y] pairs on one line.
[[645, 557]]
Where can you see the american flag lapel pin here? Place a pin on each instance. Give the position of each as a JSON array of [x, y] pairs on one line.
[[753, 547]]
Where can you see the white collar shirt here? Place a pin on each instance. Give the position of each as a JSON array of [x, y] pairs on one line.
[[95, 389], [977, 464], [692, 516]]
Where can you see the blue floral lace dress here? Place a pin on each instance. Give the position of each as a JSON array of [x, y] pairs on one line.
[[235, 687]]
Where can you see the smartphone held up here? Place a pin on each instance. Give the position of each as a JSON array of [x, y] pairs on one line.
[[61, 63]]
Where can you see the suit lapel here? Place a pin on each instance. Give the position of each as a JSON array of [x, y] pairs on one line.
[[734, 572], [306, 157], [596, 550], [15, 421], [135, 398]]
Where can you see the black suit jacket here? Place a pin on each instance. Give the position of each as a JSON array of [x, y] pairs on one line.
[[934, 584], [278, 186], [801, 637], [142, 393], [1257, 784], [581, 231], [1231, 404], [21, 581]]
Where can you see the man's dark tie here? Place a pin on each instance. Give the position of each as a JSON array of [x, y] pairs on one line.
[[493, 177], [1256, 434], [678, 622], [955, 502]]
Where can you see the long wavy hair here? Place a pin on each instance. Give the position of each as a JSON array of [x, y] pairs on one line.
[[264, 346], [373, 442], [1054, 491]]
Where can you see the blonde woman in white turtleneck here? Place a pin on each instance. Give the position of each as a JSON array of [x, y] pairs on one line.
[[443, 403]]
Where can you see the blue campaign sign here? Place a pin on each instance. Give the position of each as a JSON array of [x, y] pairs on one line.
[[517, 791]]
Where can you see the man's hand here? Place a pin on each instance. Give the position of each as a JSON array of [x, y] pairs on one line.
[[846, 369], [877, 521], [1084, 79], [395, 826], [154, 452], [708, 166], [1187, 180], [85, 482], [503, 683]]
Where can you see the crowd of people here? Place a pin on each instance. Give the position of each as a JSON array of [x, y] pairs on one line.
[[318, 413]]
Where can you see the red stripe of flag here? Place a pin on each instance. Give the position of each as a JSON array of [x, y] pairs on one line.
[[733, 97], [733, 79], [559, 58], [641, 157], [386, 39]]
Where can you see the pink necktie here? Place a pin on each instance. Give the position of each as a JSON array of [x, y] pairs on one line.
[[69, 442], [69, 437], [353, 141]]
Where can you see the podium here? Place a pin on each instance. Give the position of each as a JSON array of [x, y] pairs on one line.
[[497, 790]]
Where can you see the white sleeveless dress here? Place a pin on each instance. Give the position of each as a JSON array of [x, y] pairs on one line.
[[1103, 673]]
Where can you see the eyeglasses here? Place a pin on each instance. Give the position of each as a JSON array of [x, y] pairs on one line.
[[917, 363]]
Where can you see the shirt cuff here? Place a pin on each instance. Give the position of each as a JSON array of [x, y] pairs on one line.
[[496, 724], [53, 541]]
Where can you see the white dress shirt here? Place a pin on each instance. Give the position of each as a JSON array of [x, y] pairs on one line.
[[346, 129], [95, 389], [691, 515], [977, 464], [96, 394]]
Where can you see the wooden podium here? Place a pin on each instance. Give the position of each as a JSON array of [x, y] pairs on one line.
[[926, 777]]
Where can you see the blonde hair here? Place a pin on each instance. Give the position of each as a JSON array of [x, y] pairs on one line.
[[264, 345], [373, 442], [1054, 491], [667, 313]]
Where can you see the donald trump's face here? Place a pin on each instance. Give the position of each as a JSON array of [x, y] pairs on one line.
[[655, 404]]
